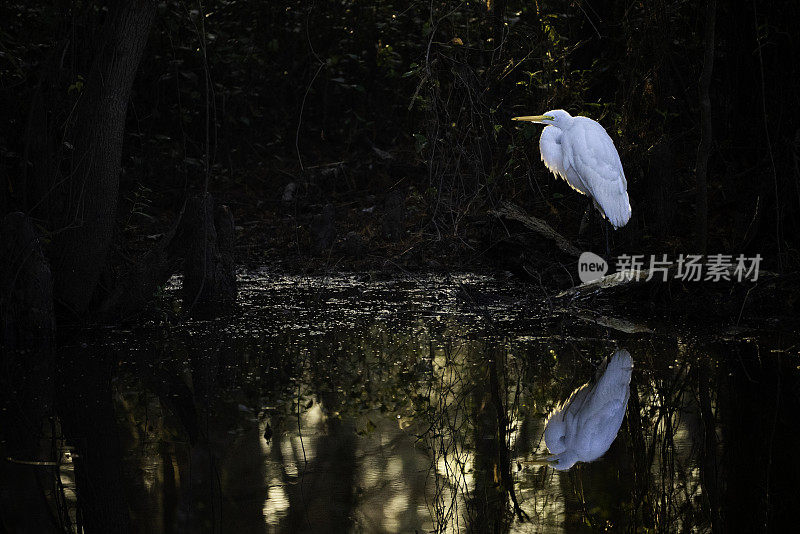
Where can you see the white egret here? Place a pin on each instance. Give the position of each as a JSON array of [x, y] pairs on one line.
[[583, 427], [580, 151]]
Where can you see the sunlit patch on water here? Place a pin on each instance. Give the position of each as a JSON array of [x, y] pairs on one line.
[[348, 402]]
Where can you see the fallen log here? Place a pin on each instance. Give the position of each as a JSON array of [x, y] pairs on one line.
[[615, 281], [515, 213]]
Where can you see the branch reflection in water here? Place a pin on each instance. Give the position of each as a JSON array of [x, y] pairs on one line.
[[346, 404]]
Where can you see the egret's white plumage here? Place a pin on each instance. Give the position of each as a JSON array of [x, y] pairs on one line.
[[583, 427], [580, 151]]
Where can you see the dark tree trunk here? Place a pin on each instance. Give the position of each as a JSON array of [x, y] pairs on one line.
[[209, 282], [661, 184], [134, 291], [207, 246], [226, 234], [26, 345], [758, 404], [701, 169], [489, 509], [709, 451], [86, 223], [323, 229], [642, 458], [26, 288], [86, 410], [394, 216]]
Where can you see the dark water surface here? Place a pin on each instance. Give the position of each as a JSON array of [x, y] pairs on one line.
[[341, 404]]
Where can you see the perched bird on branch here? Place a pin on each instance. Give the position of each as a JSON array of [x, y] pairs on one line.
[[580, 151]]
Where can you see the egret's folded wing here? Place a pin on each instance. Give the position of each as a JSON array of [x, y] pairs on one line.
[[598, 432], [596, 160], [576, 402]]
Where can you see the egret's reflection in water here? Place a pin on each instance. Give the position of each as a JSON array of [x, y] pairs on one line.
[[343, 404], [583, 427]]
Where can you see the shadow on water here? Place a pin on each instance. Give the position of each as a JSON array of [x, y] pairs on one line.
[[342, 404]]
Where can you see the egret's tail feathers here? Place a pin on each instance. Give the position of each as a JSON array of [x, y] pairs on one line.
[[621, 360], [613, 378], [615, 208], [620, 214], [618, 364]]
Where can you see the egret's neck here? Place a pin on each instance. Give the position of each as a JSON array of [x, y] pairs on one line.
[[565, 123]]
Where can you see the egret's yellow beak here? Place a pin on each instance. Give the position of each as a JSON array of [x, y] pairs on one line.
[[539, 462], [533, 118]]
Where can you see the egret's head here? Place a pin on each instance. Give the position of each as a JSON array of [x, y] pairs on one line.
[[563, 461], [557, 117]]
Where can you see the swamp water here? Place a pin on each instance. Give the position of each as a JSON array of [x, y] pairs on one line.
[[343, 404]]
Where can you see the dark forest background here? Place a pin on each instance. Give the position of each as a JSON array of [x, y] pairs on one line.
[[350, 134], [140, 139]]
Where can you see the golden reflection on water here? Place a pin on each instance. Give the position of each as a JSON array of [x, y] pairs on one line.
[[398, 414]]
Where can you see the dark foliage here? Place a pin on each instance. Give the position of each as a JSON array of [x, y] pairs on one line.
[[353, 100]]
